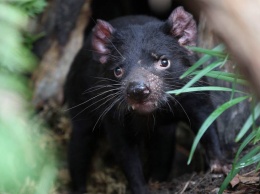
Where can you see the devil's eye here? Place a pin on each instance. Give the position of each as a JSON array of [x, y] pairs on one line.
[[118, 72], [163, 63]]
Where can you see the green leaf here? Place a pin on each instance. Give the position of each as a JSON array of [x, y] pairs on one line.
[[246, 141], [216, 52], [14, 56], [204, 88], [258, 166], [46, 180], [225, 77], [28, 164], [196, 65], [200, 75], [227, 74], [227, 180], [12, 15], [236, 164], [13, 82], [252, 157], [212, 117], [257, 138], [249, 122], [250, 160], [200, 62], [31, 7]]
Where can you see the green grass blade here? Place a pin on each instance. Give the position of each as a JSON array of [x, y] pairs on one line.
[[227, 180], [227, 74], [250, 158], [213, 116], [224, 76], [201, 61], [241, 163], [46, 179], [201, 74], [196, 65], [233, 88], [216, 52], [246, 141], [257, 138], [204, 88], [235, 165], [258, 166], [249, 122]]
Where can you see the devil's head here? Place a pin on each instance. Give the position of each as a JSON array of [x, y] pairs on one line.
[[144, 61]]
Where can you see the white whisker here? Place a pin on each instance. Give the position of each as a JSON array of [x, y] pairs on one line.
[[175, 100], [104, 113], [91, 99]]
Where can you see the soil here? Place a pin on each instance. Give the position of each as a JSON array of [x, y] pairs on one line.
[[107, 178]]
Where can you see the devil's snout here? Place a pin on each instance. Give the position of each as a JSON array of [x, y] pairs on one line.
[[138, 91]]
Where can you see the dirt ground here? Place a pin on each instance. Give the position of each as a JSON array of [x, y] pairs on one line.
[[107, 178]]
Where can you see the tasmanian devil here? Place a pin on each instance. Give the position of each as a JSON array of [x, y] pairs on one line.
[[118, 84]]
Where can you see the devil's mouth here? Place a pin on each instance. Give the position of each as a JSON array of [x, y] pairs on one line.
[[144, 107]]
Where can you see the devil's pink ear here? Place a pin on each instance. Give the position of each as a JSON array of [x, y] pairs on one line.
[[183, 27], [101, 36]]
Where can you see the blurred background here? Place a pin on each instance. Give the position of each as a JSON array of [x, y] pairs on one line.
[[38, 42]]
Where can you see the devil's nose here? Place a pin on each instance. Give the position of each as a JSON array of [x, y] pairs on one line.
[[138, 91]]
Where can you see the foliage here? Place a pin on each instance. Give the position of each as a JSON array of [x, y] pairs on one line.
[[217, 58], [30, 7], [26, 165]]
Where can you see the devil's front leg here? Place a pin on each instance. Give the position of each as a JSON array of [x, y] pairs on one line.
[[81, 146], [198, 107], [161, 151], [125, 147]]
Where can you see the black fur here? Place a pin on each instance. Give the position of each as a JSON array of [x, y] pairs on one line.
[[108, 79]]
